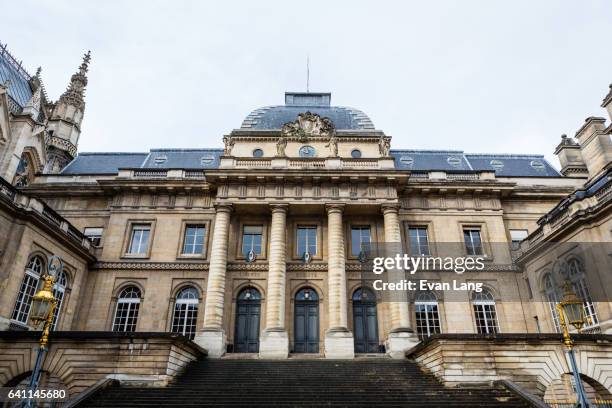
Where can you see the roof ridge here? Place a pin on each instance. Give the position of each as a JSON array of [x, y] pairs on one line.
[[13, 61], [509, 155], [195, 149], [426, 151], [109, 153]]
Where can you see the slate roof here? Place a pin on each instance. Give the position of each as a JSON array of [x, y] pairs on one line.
[[513, 165], [504, 165], [103, 163], [183, 159], [425, 160], [110, 163], [274, 117], [19, 89]]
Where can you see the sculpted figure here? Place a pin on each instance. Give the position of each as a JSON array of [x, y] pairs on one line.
[[327, 127], [229, 144], [281, 144], [308, 124], [384, 146], [333, 145]]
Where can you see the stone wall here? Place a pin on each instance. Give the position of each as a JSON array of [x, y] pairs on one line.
[[533, 361], [80, 359]]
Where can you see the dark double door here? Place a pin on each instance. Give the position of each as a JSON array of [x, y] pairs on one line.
[[306, 339], [247, 326], [365, 324]]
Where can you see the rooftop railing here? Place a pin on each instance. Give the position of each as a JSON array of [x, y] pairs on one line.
[[50, 216]]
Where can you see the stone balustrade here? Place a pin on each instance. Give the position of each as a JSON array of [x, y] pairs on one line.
[[532, 361], [79, 359], [43, 213]]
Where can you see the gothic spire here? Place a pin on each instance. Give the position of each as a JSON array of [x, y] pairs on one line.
[[75, 92]]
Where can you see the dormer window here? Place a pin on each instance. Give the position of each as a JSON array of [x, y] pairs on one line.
[[497, 164], [454, 161], [406, 160], [204, 160], [160, 159], [536, 164]]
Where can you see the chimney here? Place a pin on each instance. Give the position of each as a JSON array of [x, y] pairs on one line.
[[570, 157], [308, 98], [595, 145], [607, 102]]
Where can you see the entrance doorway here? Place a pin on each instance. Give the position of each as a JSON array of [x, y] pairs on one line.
[[248, 310], [306, 322], [365, 321]]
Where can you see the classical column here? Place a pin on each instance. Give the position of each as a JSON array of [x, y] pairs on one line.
[[338, 339], [212, 337], [274, 340], [401, 336]]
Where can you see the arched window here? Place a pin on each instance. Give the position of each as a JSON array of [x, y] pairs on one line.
[[485, 312], [306, 294], [186, 312], [59, 290], [579, 285], [552, 296], [364, 295], [427, 314], [28, 287], [249, 294], [126, 315]]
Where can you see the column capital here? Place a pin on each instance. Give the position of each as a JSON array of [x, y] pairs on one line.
[[334, 208], [389, 208], [279, 207], [224, 207]]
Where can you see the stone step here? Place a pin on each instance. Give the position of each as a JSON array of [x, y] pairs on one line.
[[304, 383]]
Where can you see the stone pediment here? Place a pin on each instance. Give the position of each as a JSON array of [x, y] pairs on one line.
[[309, 124]]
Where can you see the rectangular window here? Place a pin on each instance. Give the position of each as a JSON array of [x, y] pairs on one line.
[[473, 243], [419, 243], [139, 239], [360, 239], [193, 242], [517, 236], [94, 235], [251, 239], [306, 240]]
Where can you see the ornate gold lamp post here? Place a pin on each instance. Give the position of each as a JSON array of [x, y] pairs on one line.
[[571, 311], [41, 312]]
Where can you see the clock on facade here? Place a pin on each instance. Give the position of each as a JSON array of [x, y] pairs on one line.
[[307, 151]]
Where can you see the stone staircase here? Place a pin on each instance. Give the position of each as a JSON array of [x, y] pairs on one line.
[[304, 383]]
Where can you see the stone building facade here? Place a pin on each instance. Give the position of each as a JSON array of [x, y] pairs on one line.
[[258, 247]]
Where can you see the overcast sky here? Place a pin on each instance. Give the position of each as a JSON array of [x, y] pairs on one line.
[[479, 76]]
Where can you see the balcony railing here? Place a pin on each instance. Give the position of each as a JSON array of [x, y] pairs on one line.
[[254, 163], [150, 173], [7, 189], [307, 164], [33, 205], [462, 176], [360, 163]]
